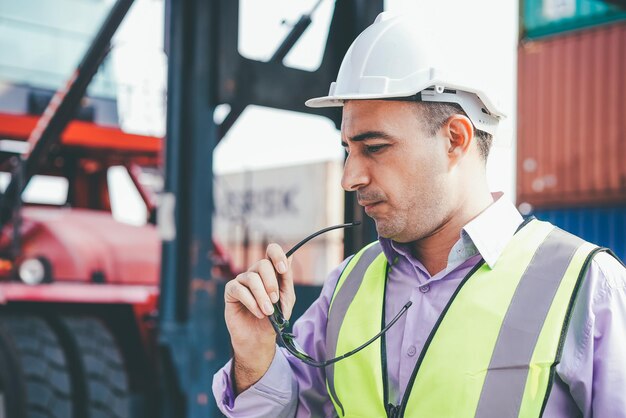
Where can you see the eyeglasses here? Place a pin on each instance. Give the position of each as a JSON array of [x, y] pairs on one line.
[[288, 340]]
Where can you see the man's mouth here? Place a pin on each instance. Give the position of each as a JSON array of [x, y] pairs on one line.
[[369, 205]]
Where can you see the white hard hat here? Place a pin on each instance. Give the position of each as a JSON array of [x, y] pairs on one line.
[[388, 60]]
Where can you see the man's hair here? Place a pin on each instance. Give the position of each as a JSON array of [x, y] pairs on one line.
[[435, 114]]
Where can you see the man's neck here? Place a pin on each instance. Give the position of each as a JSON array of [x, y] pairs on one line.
[[433, 251]]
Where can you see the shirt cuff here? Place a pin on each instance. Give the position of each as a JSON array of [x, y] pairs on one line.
[[274, 394]]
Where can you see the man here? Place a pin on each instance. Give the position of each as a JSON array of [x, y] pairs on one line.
[[508, 318]]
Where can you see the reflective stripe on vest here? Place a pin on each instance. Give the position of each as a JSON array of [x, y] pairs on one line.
[[369, 262], [492, 352]]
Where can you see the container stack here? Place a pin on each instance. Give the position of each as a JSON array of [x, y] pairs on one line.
[[571, 140]]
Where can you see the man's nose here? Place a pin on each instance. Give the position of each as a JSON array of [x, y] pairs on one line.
[[354, 174]]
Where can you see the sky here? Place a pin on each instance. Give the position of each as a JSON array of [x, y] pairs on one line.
[[483, 33]]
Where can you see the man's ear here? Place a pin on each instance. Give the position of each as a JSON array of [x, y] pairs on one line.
[[460, 134]]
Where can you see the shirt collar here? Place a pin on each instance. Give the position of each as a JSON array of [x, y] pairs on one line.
[[492, 230], [487, 234]]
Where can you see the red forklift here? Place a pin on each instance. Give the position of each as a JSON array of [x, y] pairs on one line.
[[78, 289], [99, 318], [73, 279]]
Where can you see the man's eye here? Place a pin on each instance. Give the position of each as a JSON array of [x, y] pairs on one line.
[[375, 148]]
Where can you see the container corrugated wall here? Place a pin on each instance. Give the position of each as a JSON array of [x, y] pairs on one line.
[[548, 17], [604, 226], [572, 119]]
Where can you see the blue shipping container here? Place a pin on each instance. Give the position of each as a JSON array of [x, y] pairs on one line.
[[550, 17], [605, 226]]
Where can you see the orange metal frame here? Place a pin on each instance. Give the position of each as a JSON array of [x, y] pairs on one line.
[[82, 134]]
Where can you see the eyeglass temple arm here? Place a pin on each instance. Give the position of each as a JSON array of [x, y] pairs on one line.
[[277, 309], [320, 232]]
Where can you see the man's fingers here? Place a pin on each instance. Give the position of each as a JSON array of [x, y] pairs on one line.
[[285, 279], [253, 281], [287, 292], [287, 300], [237, 292], [266, 271], [278, 258], [249, 289]]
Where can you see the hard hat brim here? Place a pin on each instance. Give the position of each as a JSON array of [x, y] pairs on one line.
[[338, 100]]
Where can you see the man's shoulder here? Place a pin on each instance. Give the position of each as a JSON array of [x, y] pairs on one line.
[[605, 271], [608, 271], [605, 267], [605, 274]]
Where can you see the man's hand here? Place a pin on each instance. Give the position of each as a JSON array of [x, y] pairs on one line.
[[249, 298]]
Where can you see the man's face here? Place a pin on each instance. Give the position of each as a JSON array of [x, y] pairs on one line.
[[400, 174]]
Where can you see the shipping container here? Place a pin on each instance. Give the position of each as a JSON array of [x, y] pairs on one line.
[[605, 226], [572, 119], [541, 18], [282, 205]]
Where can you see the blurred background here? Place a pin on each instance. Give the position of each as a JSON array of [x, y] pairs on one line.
[[43, 43], [95, 195]]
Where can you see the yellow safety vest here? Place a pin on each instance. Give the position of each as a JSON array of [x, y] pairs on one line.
[[493, 350]]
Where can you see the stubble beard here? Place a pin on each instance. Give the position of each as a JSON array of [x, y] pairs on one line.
[[410, 224], [389, 227]]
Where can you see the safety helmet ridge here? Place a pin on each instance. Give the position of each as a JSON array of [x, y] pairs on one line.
[[389, 60]]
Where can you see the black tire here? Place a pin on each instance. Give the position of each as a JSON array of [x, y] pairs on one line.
[[12, 399], [99, 377], [39, 372]]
